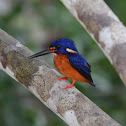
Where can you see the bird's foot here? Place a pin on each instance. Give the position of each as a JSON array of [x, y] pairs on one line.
[[72, 85], [68, 87], [63, 78]]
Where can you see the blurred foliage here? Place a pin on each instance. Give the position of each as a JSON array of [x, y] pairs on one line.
[[37, 23]]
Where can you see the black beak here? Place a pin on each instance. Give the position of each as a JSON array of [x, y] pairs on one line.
[[41, 53]]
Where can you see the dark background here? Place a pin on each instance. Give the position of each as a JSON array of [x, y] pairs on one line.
[[36, 24]]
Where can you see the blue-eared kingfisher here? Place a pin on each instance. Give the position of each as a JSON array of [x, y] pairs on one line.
[[68, 61]]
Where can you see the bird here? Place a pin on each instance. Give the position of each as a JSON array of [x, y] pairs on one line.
[[68, 61]]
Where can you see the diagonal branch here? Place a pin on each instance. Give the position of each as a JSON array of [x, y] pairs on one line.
[[104, 27], [38, 77]]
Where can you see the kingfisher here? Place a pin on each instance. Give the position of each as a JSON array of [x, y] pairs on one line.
[[68, 61]]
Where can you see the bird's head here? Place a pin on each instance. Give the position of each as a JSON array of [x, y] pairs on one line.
[[63, 46], [60, 46]]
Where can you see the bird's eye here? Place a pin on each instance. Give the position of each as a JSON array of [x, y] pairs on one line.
[[58, 47], [55, 47]]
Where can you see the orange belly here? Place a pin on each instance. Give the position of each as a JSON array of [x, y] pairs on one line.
[[62, 64]]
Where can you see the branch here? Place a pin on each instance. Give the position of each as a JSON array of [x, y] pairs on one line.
[[38, 77], [104, 27]]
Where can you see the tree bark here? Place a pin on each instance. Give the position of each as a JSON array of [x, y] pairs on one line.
[[38, 77], [104, 27]]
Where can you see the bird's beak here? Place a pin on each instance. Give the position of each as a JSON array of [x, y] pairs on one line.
[[48, 51]]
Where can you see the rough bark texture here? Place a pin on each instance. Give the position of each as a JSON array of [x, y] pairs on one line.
[[38, 77], [104, 27]]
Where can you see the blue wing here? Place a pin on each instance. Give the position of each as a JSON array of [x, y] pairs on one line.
[[80, 64]]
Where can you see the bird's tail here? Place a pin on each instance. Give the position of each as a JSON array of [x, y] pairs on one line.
[[92, 83]]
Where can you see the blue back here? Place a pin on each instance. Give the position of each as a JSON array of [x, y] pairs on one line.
[[80, 64]]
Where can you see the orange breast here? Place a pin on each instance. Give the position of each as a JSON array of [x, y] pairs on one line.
[[62, 64]]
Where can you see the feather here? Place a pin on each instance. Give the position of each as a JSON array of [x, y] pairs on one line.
[[80, 64]]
